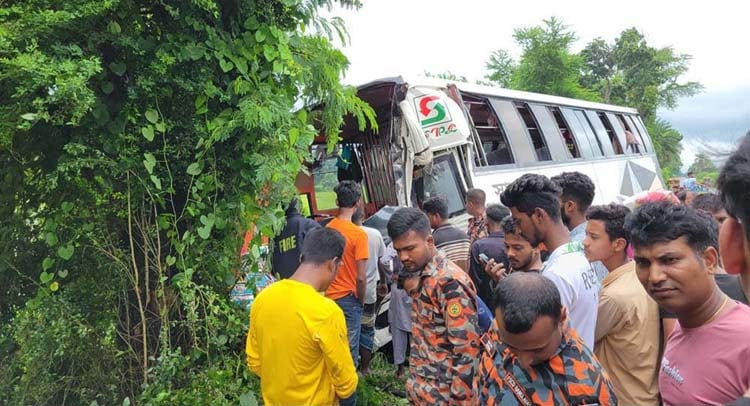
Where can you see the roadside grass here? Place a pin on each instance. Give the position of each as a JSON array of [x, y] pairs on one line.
[[381, 387]]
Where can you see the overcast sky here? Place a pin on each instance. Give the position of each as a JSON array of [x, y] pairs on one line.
[[409, 37]]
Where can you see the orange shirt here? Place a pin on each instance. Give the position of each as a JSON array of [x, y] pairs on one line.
[[355, 250]]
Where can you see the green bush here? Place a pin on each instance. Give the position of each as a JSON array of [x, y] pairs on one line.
[[138, 142]]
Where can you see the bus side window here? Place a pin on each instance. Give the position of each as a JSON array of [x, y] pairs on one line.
[[611, 133], [566, 133], [588, 130], [630, 135], [325, 176], [540, 145], [635, 130], [491, 132]]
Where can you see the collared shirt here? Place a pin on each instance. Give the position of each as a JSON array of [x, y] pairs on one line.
[[297, 345], [572, 376], [578, 233], [477, 228], [579, 288], [627, 337], [494, 247], [445, 337]]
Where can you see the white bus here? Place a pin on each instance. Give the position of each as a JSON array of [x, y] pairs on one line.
[[438, 137]]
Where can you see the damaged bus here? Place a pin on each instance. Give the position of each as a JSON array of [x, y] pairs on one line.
[[441, 138], [438, 137]]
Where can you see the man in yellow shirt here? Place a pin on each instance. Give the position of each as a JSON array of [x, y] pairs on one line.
[[297, 343], [627, 324]]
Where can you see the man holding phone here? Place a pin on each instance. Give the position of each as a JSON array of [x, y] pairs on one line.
[[522, 257], [491, 247]]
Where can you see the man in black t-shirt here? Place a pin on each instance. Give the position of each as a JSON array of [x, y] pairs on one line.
[[287, 245], [493, 247]]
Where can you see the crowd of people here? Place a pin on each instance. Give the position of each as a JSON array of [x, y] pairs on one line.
[[545, 300]]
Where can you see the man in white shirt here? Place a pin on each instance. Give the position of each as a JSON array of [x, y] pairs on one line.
[[534, 203], [578, 192], [576, 197], [376, 248]]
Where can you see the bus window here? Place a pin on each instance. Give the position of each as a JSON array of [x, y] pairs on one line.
[[588, 129], [567, 135], [325, 176], [630, 136], [634, 129], [644, 133], [491, 133], [442, 180], [303, 204], [540, 145], [611, 133]]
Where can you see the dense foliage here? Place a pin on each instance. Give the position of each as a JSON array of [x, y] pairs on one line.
[[138, 140]]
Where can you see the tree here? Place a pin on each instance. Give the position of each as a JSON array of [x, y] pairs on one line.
[[599, 66], [630, 72], [500, 67], [667, 143], [547, 65], [703, 165], [138, 141]]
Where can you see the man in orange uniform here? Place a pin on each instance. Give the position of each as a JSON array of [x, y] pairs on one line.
[[533, 358], [445, 327]]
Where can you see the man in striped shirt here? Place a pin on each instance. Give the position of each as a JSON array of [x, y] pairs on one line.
[[453, 242]]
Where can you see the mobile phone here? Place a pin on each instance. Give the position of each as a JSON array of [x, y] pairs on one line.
[[484, 258]]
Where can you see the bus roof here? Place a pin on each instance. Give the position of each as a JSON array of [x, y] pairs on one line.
[[498, 92]]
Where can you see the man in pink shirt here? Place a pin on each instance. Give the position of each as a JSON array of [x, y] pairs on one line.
[[734, 239], [706, 356]]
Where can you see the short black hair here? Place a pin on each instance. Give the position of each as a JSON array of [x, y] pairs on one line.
[[476, 196], [510, 226], [523, 297], [531, 191], [408, 219], [436, 205], [658, 222], [347, 193], [613, 216], [708, 202], [322, 244], [576, 187], [496, 213], [734, 184]]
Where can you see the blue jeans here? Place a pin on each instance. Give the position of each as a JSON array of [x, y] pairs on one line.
[[353, 316]]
